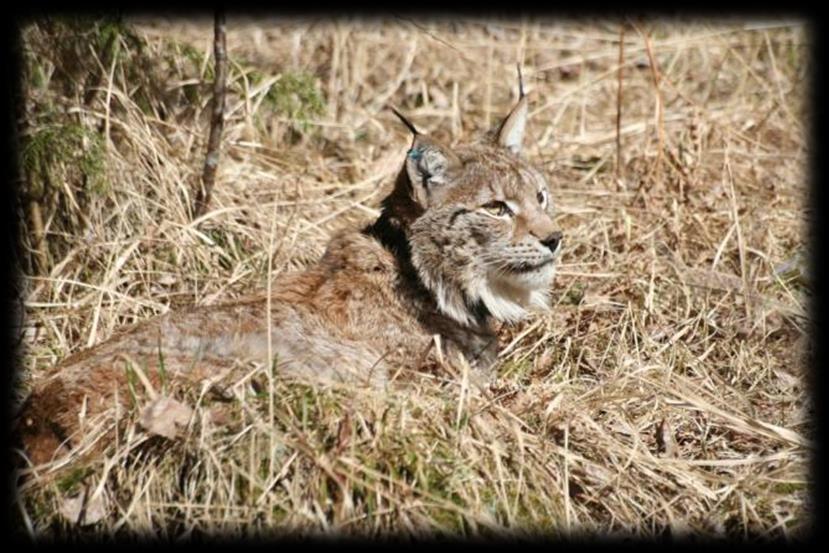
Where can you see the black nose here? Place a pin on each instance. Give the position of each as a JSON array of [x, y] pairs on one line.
[[553, 240]]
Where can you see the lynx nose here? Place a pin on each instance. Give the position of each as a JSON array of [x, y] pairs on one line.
[[553, 241]]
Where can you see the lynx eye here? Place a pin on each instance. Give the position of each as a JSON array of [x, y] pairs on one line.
[[542, 198], [497, 209]]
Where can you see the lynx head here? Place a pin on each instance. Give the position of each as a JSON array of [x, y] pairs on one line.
[[479, 223]]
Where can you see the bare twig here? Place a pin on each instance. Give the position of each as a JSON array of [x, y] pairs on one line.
[[741, 247], [211, 162], [619, 106], [432, 35], [660, 122]]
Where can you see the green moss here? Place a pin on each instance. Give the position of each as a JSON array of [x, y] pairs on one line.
[[37, 75], [196, 58], [794, 272], [575, 294], [223, 242], [787, 488], [108, 36], [516, 370], [70, 39], [69, 148], [70, 483], [296, 96]]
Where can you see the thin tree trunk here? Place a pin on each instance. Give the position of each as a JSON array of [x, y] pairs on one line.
[[211, 162]]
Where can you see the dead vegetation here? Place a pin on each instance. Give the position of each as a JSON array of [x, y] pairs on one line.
[[666, 391]]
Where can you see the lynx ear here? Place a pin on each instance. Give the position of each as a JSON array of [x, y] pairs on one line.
[[429, 164], [511, 132]]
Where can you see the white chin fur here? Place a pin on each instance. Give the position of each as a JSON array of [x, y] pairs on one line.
[[507, 299], [512, 299], [450, 301]]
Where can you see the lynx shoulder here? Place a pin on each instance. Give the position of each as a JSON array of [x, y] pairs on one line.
[[465, 238]]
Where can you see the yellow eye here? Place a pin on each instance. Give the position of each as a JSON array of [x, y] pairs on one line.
[[498, 209]]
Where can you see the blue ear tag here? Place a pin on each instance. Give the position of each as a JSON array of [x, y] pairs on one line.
[[415, 153]]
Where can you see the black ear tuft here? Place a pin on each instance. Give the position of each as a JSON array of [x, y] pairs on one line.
[[511, 132], [406, 122], [520, 82]]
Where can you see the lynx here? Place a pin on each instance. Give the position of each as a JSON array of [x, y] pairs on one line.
[[465, 238]]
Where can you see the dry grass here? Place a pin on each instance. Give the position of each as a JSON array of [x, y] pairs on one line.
[[665, 392]]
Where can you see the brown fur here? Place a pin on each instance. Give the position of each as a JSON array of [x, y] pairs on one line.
[[438, 261]]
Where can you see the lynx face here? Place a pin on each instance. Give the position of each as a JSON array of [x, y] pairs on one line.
[[486, 236]]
